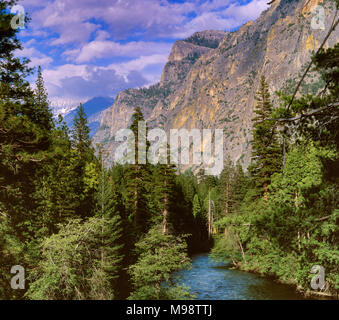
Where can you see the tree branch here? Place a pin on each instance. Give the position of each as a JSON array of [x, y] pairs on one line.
[[308, 114], [334, 25]]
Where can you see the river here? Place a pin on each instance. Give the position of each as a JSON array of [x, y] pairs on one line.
[[209, 280]]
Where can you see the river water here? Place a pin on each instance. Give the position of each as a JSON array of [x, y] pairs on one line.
[[209, 280]]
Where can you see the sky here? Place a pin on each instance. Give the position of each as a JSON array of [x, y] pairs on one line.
[[90, 48]]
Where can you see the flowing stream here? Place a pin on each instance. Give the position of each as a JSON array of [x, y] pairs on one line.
[[209, 280]]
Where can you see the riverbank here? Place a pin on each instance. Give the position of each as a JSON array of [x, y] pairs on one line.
[[307, 294]]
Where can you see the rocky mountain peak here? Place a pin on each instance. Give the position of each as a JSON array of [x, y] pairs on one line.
[[211, 78]]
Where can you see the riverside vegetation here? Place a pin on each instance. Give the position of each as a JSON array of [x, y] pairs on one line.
[[82, 231]]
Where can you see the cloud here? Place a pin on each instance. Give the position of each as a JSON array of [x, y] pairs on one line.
[[80, 82], [36, 57], [90, 48], [102, 49], [226, 18], [75, 22], [139, 64], [243, 13]]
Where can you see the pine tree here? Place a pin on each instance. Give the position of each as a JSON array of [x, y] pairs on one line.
[[138, 182], [164, 191], [85, 164], [25, 139], [56, 192], [240, 186], [225, 189], [266, 151], [110, 208], [196, 206], [80, 135], [42, 107]]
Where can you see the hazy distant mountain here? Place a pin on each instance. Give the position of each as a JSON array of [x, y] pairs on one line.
[[94, 109]]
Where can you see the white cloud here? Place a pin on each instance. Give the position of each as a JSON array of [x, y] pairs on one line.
[[107, 49], [87, 31], [139, 64], [232, 16], [37, 58], [56, 76]]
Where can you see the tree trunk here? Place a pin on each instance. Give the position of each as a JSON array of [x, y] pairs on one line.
[[209, 214], [227, 198], [299, 244], [165, 212], [241, 248], [136, 201]]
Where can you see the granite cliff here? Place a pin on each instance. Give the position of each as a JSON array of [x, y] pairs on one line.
[[211, 78]]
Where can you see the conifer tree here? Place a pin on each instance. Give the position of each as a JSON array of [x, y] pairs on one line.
[[196, 206], [266, 151], [25, 136], [25, 139], [56, 192], [240, 186], [164, 191], [85, 163], [41, 103], [109, 208], [80, 135], [225, 188], [138, 181]]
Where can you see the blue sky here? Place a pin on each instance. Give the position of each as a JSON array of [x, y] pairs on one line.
[[93, 48]]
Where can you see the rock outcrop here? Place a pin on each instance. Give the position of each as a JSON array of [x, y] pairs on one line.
[[211, 78]]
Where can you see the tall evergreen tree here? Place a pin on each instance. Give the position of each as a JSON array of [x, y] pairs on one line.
[[80, 135], [110, 208], [138, 181], [240, 186], [266, 151], [196, 206], [85, 165], [25, 139], [41, 103], [164, 191], [225, 189], [56, 192]]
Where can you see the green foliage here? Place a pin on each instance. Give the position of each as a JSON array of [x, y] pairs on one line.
[[83, 232], [196, 206], [203, 41], [74, 263], [159, 257], [226, 248], [296, 226], [138, 178], [266, 151]]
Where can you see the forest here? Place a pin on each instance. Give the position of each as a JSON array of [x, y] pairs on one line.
[[85, 231]]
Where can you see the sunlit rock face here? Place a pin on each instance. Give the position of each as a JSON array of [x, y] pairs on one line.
[[211, 78]]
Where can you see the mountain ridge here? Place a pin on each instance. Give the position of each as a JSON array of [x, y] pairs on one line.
[[206, 87], [94, 109]]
